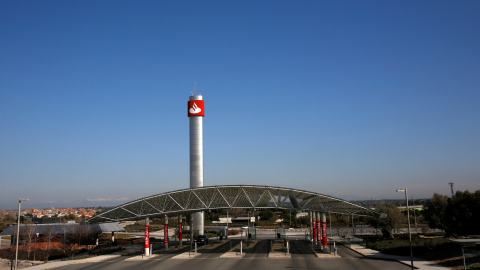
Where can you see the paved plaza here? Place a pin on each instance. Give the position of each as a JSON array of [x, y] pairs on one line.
[[264, 254]]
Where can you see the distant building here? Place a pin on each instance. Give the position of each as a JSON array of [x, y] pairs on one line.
[[47, 220]]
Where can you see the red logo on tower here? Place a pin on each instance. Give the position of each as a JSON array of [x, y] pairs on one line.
[[196, 108], [147, 236]]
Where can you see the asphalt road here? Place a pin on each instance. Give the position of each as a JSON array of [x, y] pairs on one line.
[[302, 258]]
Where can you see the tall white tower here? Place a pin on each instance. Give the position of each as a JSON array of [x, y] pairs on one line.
[[196, 112]]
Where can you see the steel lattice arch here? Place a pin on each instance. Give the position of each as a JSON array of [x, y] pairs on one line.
[[230, 197]]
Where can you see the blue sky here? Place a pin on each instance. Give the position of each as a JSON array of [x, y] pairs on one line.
[[348, 98]]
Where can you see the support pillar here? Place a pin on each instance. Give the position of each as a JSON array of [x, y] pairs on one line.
[[330, 220], [147, 237], [353, 227], [319, 231], [314, 228], [176, 232], [165, 232], [198, 220], [180, 229], [191, 230], [196, 112], [311, 227], [323, 221]]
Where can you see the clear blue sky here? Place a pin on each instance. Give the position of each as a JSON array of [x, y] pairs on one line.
[[348, 98]]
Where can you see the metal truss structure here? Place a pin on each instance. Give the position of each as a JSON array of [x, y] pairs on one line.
[[229, 197]]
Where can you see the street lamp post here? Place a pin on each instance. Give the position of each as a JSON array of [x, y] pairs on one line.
[[35, 250], [408, 219], [18, 230]]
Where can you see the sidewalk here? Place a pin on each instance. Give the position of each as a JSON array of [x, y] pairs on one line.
[[51, 265], [417, 263]]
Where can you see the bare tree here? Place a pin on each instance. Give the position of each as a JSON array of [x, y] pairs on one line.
[[84, 233], [71, 244], [49, 234], [28, 232], [66, 228], [79, 236]]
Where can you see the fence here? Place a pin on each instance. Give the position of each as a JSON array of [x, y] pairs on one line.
[[367, 230]]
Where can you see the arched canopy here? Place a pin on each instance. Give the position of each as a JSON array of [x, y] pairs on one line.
[[228, 197]]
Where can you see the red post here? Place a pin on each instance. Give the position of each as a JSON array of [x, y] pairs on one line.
[[324, 234], [180, 231], [319, 232], [165, 233], [147, 238], [314, 225]]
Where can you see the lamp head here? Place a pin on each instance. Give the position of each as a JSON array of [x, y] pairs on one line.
[[400, 190]]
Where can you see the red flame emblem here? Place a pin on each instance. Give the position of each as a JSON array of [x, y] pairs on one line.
[[196, 108]]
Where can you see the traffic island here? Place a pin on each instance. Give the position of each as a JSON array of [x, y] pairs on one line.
[[239, 250], [321, 253], [207, 248], [187, 255], [278, 249], [141, 257]]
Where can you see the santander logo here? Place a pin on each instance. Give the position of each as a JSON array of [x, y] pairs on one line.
[[194, 109]]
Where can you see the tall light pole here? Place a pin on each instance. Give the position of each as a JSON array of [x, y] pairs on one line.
[[408, 219], [18, 230], [196, 112], [35, 250], [451, 187]]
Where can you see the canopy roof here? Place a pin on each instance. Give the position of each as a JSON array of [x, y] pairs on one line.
[[61, 228], [228, 197]]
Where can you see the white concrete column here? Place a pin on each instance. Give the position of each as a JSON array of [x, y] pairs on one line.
[[191, 228], [311, 225], [196, 113]]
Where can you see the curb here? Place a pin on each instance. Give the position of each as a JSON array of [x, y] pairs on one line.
[[279, 255], [232, 255], [379, 258], [56, 264], [186, 255], [373, 257], [313, 250]]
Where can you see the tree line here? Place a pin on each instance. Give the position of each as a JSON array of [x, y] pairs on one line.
[[458, 215]]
